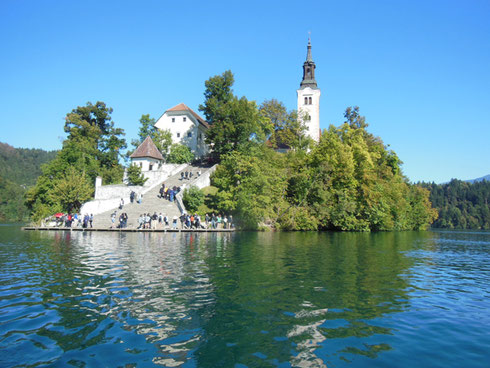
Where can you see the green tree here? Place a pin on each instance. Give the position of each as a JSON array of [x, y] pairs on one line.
[[135, 176], [193, 197], [72, 190], [92, 148], [236, 123], [180, 154]]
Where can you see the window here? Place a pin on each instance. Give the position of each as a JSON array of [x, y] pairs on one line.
[[185, 118], [309, 100], [141, 164], [306, 100], [173, 120], [178, 135], [151, 167], [189, 134]]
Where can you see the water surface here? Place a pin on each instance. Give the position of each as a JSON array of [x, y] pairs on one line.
[[407, 299]]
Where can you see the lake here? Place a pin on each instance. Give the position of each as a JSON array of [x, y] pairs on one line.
[[244, 299]]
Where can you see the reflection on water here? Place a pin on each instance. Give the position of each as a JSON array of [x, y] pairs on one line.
[[87, 299]]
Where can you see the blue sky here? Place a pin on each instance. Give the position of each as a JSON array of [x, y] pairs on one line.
[[418, 70]]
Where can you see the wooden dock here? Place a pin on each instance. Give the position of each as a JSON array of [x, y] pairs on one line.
[[129, 230]]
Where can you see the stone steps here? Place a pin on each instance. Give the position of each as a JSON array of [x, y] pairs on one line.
[[150, 203]]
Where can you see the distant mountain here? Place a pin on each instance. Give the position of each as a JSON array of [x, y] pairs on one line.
[[22, 165], [486, 177], [19, 169]]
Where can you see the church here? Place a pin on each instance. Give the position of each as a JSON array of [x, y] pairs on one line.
[[188, 128]]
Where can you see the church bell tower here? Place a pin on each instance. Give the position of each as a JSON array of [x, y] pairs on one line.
[[309, 98]]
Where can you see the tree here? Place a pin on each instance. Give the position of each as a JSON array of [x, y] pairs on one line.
[[286, 127], [180, 154], [135, 177], [72, 190], [161, 138], [235, 122], [193, 197], [92, 148]]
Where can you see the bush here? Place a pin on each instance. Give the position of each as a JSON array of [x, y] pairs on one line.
[[135, 177], [193, 198], [180, 154]]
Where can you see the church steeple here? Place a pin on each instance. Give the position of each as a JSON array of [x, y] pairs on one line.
[[308, 70]]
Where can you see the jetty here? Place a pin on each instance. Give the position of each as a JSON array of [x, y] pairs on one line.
[[127, 230]]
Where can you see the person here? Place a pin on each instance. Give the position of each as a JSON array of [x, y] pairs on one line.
[[162, 190], [182, 175], [141, 222], [225, 222], [160, 220], [154, 219], [230, 222], [131, 196], [186, 175], [165, 220], [140, 198], [91, 219], [113, 219], [121, 204], [190, 175], [206, 220], [85, 221], [174, 222]]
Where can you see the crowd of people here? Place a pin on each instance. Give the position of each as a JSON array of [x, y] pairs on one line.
[[168, 193], [162, 221], [75, 220]]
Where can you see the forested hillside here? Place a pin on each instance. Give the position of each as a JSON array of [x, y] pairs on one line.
[[19, 169], [461, 205]]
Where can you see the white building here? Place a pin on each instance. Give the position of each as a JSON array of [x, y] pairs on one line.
[[187, 128], [147, 156], [309, 98]]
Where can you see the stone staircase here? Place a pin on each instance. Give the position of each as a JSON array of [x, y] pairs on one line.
[[150, 203]]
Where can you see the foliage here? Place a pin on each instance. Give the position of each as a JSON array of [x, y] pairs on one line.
[[461, 205], [180, 154], [193, 198], [19, 169], [135, 176], [22, 165], [161, 138], [236, 123], [92, 148], [287, 129], [348, 181], [72, 190]]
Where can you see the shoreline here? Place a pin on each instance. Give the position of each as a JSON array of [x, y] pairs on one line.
[[129, 230]]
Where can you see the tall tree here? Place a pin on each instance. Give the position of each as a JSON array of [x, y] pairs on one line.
[[287, 129], [235, 122], [92, 148]]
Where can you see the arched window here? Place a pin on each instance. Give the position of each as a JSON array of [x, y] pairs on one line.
[[306, 100], [310, 100]]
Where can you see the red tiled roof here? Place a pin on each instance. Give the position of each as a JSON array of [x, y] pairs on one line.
[[184, 107], [147, 149]]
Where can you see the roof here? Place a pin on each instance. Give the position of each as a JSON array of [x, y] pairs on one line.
[[147, 149], [184, 107]]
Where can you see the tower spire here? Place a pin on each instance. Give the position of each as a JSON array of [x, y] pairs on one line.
[[308, 54], [308, 68]]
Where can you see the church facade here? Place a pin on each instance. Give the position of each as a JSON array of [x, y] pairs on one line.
[[309, 98]]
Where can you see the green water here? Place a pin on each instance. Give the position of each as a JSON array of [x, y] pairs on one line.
[[409, 299]]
